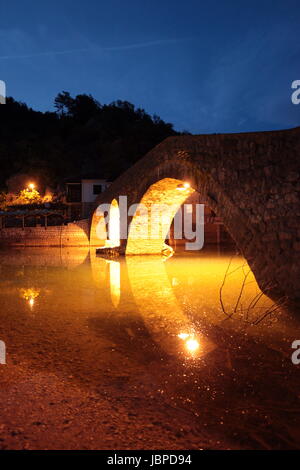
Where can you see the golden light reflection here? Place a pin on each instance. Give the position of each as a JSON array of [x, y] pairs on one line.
[[183, 335], [191, 343], [162, 314], [171, 295], [115, 282], [30, 295], [177, 298]]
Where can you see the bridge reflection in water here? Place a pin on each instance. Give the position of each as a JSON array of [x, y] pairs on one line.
[[178, 298], [144, 328], [175, 298], [162, 313]]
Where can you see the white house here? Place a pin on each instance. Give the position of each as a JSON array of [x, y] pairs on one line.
[[81, 195], [91, 188]]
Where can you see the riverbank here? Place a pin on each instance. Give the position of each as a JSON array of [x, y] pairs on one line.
[[57, 399]]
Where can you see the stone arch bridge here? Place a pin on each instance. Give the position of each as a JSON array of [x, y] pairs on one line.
[[250, 180]]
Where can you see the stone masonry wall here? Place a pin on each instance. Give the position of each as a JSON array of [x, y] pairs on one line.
[[251, 181], [74, 234]]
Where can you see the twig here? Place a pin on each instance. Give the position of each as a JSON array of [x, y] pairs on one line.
[[253, 304]]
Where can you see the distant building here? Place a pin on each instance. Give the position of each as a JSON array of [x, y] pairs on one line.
[[81, 196]]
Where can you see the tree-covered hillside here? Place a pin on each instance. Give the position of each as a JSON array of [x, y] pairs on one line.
[[83, 138]]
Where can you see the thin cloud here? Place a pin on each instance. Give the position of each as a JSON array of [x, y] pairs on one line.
[[127, 47]]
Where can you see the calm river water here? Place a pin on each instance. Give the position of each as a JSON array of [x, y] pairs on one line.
[[147, 328]]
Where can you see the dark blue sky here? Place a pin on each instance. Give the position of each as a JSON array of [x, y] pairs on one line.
[[214, 66]]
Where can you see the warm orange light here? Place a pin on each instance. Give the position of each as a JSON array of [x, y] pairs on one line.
[[114, 225], [183, 335], [31, 186], [30, 295], [183, 186], [190, 342], [115, 282], [192, 345]]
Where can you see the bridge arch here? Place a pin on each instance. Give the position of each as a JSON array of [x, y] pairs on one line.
[[154, 214], [105, 226], [249, 180]]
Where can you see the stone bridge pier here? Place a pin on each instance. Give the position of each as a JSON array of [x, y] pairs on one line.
[[250, 180]]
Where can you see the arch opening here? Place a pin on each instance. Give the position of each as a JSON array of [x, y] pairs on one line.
[[113, 225], [153, 216], [105, 227], [219, 167], [173, 215]]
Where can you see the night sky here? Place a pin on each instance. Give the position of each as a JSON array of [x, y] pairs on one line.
[[215, 66]]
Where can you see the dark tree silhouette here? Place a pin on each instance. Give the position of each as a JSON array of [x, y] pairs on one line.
[[82, 138], [63, 102]]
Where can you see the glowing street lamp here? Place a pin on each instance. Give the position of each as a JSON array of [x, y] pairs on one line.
[[183, 186]]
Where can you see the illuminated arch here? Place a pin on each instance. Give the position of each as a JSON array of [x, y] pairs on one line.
[[114, 225], [233, 175], [105, 226], [153, 216]]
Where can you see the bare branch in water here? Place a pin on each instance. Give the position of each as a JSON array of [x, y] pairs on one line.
[[252, 307]]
